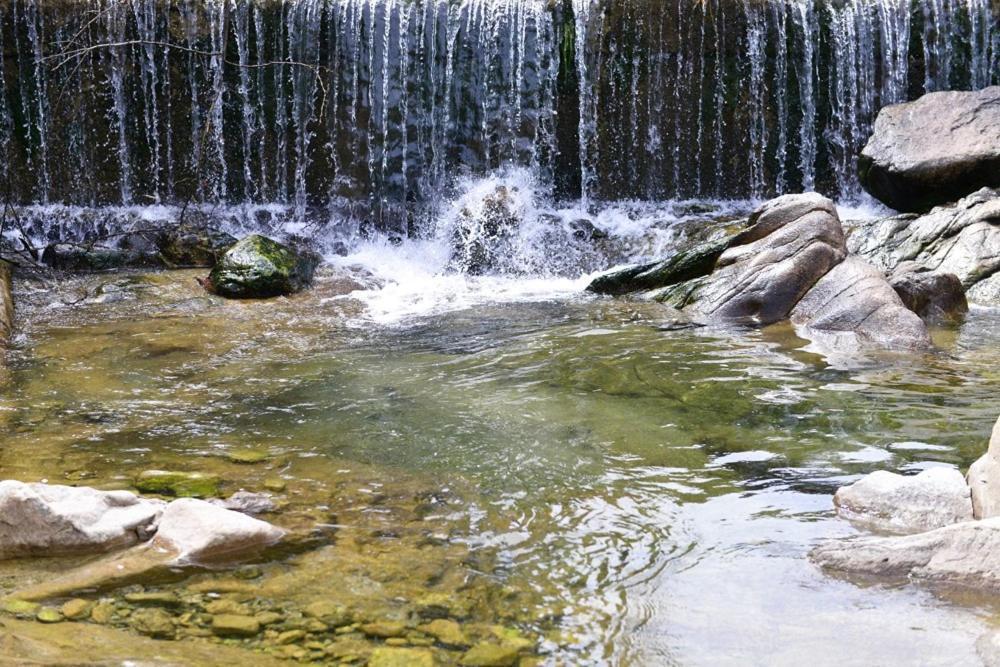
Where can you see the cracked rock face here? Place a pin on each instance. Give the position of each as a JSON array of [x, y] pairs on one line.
[[43, 519], [934, 150], [893, 503], [961, 239]]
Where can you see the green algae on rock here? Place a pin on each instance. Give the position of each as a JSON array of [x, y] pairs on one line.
[[258, 267], [178, 484]]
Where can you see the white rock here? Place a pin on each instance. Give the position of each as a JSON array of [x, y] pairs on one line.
[[966, 555], [43, 519], [886, 501], [199, 532], [984, 479]]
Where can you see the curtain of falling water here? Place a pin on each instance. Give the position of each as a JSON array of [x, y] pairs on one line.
[[372, 105]]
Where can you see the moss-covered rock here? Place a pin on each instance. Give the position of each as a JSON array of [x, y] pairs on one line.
[[178, 484], [258, 267], [686, 265]]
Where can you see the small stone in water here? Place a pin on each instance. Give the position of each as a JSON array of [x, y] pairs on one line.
[[49, 615], [401, 657], [248, 572], [490, 655], [154, 599], [275, 484], [330, 613], [179, 484], [20, 607], [153, 622], [268, 617], [384, 629], [76, 608], [227, 607], [290, 636], [248, 456], [447, 632], [234, 625], [102, 612]]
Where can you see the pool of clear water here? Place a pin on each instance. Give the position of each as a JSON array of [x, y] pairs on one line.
[[619, 493]]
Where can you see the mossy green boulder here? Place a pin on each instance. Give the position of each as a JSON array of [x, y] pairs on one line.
[[258, 267], [178, 484]]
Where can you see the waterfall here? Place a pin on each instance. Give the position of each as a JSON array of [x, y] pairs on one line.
[[379, 105]]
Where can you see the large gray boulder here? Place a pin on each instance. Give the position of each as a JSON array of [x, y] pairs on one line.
[[961, 239], [934, 150], [893, 503], [984, 479], [789, 244], [44, 520], [965, 555], [855, 306]]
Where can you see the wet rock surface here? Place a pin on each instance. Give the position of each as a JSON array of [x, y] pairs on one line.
[[934, 150], [258, 267], [893, 503]]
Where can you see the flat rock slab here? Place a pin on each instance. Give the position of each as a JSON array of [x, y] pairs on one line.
[[934, 150], [963, 555], [894, 503], [44, 519]]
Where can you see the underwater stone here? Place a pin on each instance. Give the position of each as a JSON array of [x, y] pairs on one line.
[[490, 655], [258, 267], [447, 632], [20, 607], [154, 599], [179, 484], [235, 625], [384, 629], [153, 623], [76, 608], [49, 615], [401, 657]]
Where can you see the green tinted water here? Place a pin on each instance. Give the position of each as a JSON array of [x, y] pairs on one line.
[[564, 469]]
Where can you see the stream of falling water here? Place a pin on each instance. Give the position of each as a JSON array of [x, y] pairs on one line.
[[373, 105]]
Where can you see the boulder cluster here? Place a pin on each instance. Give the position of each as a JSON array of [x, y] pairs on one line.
[[872, 283], [790, 261]]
